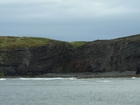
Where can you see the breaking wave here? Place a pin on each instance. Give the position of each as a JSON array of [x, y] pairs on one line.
[[133, 78], [105, 81], [1, 79], [47, 78]]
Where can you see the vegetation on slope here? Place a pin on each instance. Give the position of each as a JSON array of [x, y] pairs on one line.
[[132, 37], [9, 42], [78, 43]]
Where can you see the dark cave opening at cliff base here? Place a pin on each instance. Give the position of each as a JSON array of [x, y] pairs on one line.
[[138, 69]]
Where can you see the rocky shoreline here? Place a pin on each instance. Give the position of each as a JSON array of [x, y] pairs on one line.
[[91, 75], [114, 74]]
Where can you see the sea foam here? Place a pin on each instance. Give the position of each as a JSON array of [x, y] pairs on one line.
[[1, 79], [46, 78]]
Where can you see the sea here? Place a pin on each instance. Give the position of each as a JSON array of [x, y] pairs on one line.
[[70, 91]]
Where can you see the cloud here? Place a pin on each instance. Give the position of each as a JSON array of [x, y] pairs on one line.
[[29, 1], [67, 8], [72, 19], [50, 10]]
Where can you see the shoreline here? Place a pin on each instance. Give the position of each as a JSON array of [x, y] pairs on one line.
[[114, 74]]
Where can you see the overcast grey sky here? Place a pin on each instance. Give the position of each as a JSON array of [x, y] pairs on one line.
[[70, 20]]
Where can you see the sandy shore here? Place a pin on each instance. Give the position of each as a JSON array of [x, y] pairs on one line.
[[92, 75]]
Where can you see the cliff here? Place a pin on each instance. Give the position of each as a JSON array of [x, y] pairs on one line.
[[37, 56], [122, 54]]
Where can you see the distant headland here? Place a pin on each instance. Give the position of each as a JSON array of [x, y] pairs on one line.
[[30, 56]]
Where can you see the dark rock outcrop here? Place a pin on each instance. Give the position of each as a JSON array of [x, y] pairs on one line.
[[138, 69], [108, 55], [121, 55], [35, 61]]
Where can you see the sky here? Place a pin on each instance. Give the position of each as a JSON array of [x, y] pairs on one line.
[[70, 20]]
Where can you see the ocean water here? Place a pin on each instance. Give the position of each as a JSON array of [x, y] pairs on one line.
[[70, 91]]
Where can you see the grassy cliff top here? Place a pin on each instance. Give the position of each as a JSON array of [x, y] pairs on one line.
[[131, 37], [10, 42], [78, 43]]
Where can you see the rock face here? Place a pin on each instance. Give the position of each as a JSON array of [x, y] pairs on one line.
[[35, 61], [109, 55], [121, 54]]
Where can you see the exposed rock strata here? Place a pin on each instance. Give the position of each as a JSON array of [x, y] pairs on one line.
[[35, 61], [98, 56], [109, 55]]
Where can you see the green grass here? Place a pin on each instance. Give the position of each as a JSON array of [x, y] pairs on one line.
[[8, 42], [131, 37], [78, 43]]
